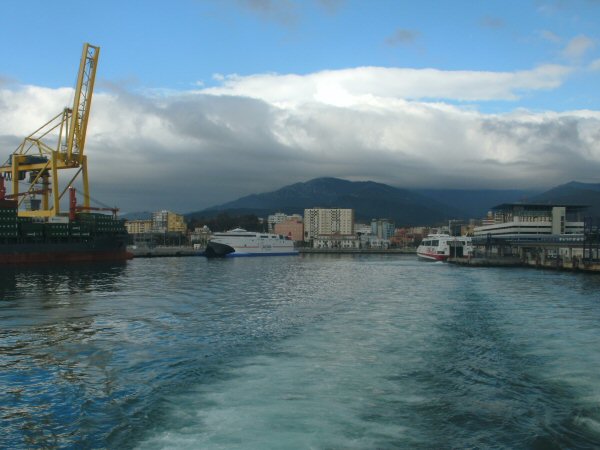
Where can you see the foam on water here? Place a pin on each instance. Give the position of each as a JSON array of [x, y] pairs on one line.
[[415, 362]]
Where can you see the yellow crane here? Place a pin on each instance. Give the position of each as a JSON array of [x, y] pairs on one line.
[[42, 162]]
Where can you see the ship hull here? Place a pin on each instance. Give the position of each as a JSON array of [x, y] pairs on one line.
[[218, 250], [103, 249], [432, 257]]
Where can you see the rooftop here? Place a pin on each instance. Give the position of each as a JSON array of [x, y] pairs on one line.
[[538, 206]]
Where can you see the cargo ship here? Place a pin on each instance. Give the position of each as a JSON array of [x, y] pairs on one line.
[[87, 237], [33, 229]]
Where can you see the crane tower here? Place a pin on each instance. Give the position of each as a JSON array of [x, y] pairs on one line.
[[36, 163]]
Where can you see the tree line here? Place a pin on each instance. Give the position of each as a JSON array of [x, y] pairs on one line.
[[224, 222]]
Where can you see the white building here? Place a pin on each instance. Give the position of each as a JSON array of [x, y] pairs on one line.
[[528, 230], [520, 220], [328, 222], [336, 242]]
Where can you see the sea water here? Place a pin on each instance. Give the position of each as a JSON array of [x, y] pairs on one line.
[[319, 352]]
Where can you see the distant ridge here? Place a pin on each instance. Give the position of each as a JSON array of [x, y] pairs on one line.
[[573, 193], [475, 203], [406, 207], [368, 199]]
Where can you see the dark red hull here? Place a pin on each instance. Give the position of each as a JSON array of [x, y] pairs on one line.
[[60, 257], [99, 249]]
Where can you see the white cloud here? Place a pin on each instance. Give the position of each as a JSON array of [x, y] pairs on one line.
[[191, 150], [595, 65], [578, 47], [550, 36], [359, 85]]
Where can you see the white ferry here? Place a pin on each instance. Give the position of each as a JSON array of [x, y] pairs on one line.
[[439, 247], [239, 242]]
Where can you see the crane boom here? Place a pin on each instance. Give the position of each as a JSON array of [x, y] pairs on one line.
[[82, 102], [42, 162]]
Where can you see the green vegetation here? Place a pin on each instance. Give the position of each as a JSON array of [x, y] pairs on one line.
[[223, 222]]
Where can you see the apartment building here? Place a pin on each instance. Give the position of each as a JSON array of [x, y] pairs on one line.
[[319, 222], [293, 228], [280, 217], [167, 221], [138, 226]]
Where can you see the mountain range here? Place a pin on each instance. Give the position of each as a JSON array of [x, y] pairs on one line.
[[405, 206]]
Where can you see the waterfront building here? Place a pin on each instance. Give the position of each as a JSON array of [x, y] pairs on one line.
[[328, 222], [200, 236], [371, 241], [336, 241], [168, 222], [362, 229], [138, 226], [532, 231], [521, 220], [280, 217], [293, 228], [383, 228], [408, 237]]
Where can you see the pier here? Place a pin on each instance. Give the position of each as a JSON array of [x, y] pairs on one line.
[[358, 251], [163, 251], [574, 264]]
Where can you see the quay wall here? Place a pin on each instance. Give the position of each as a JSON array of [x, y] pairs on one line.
[[569, 264], [358, 251], [163, 251]]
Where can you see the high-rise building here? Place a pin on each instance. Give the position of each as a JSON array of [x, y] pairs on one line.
[[382, 228], [327, 222]]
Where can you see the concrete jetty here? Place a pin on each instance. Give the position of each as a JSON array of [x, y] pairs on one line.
[[569, 264], [358, 251], [163, 251]]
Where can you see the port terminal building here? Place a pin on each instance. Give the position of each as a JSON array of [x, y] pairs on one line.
[[539, 232]]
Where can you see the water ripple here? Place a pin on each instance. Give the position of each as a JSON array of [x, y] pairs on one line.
[[313, 352]]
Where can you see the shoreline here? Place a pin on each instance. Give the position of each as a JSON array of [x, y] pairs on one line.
[[549, 264], [358, 251]]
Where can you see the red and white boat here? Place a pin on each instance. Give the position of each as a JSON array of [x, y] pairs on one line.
[[440, 247]]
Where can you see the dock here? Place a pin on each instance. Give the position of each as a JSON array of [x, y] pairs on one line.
[[566, 264], [358, 251], [163, 251]]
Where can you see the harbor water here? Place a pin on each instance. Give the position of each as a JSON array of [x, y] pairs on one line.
[[312, 351]]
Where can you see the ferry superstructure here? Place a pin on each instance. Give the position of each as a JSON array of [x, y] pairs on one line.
[[439, 247], [239, 242]]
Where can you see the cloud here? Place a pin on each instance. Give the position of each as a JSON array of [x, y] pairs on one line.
[[331, 6], [364, 85], [283, 12], [191, 150], [402, 37], [578, 47], [492, 22], [550, 36], [595, 65]]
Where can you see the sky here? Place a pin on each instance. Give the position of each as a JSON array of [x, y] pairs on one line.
[[199, 102]]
